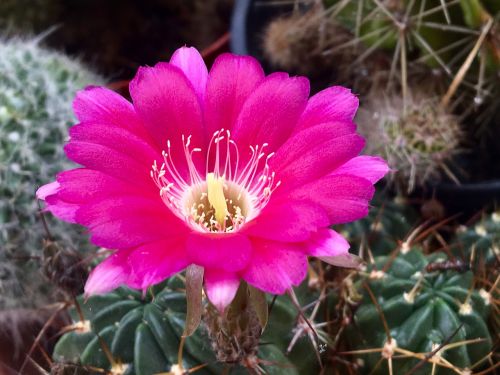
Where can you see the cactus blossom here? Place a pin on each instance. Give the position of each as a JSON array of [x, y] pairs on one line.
[[232, 170]]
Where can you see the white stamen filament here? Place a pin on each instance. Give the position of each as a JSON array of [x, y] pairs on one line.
[[246, 192]]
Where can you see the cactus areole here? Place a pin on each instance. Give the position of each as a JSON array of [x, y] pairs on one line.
[[236, 172]]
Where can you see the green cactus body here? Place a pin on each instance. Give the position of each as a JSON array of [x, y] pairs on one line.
[[144, 334], [476, 15], [388, 222], [376, 31], [474, 12], [437, 34], [483, 238], [37, 87], [382, 25], [423, 308]]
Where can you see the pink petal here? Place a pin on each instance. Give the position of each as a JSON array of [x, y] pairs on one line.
[[332, 104], [98, 211], [118, 139], [128, 221], [275, 266], [48, 189], [232, 79], [316, 137], [60, 208], [99, 104], [221, 287], [169, 107], [50, 193], [227, 251], [189, 60], [134, 231], [270, 112], [288, 221], [345, 198], [326, 242], [373, 168], [109, 274], [313, 153], [82, 185], [114, 163], [154, 262]]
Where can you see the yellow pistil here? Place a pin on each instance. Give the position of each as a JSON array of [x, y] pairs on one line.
[[215, 193]]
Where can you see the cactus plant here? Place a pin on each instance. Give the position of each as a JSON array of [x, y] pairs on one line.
[[296, 43], [388, 222], [145, 332], [418, 139], [36, 90], [482, 238], [436, 33], [143, 335], [398, 29], [397, 43], [423, 305]]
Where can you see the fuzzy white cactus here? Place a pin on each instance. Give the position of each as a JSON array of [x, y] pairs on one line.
[[37, 87]]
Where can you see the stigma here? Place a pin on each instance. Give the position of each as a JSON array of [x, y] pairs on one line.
[[216, 198], [227, 195]]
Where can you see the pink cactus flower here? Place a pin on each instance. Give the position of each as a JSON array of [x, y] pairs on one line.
[[231, 170]]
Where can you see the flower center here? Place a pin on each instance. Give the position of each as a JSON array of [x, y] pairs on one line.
[[229, 194], [216, 205]]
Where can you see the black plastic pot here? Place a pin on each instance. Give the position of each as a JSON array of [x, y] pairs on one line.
[[468, 198], [249, 19]]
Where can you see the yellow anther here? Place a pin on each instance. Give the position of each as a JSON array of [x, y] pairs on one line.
[[215, 191]]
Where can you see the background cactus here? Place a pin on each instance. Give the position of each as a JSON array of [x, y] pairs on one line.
[[388, 222], [435, 33], [482, 238], [297, 42], [423, 305], [434, 63], [419, 138], [143, 335], [37, 87]]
